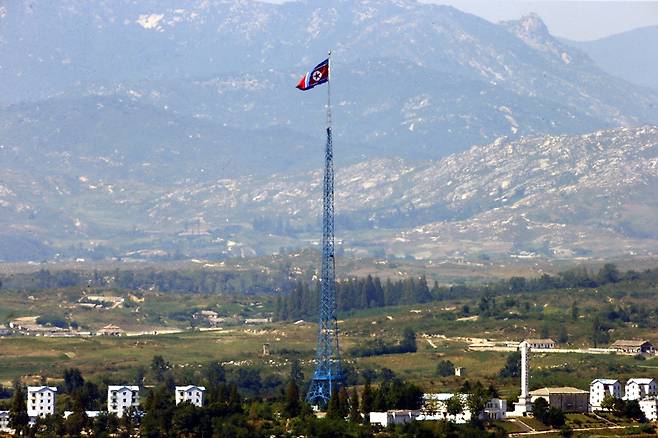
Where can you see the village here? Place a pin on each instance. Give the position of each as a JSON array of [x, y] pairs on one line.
[[604, 395]]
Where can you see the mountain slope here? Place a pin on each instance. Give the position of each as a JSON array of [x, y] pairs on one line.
[[632, 55], [554, 196], [451, 79]]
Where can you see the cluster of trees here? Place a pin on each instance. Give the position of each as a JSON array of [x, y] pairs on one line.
[[548, 415], [198, 281], [354, 293], [623, 408], [445, 368], [378, 347]]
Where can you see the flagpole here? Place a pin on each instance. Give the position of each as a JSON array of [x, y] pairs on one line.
[[329, 91]]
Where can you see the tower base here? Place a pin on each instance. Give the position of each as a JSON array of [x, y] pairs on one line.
[[522, 408]]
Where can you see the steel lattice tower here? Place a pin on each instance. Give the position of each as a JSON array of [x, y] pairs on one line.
[[327, 373]]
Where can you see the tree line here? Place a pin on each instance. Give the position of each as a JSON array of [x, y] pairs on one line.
[[353, 294]]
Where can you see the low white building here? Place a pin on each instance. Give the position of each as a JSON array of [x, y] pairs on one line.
[[121, 398], [190, 393], [541, 344], [4, 422], [89, 414], [495, 409], [435, 408], [649, 406], [388, 418], [600, 388], [41, 401], [637, 388]]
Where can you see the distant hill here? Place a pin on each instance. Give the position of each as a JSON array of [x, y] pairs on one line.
[[631, 55], [553, 196]]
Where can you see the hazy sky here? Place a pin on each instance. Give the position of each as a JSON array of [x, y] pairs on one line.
[[574, 19]]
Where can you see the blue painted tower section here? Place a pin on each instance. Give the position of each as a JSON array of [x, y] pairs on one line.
[[327, 375]]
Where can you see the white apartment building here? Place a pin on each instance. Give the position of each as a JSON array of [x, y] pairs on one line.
[[121, 398], [637, 389], [190, 393], [41, 401], [599, 388], [649, 406]]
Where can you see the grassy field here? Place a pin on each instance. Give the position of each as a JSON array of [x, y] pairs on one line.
[[242, 345], [443, 333]]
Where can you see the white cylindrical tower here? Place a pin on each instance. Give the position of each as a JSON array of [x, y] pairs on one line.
[[525, 369]]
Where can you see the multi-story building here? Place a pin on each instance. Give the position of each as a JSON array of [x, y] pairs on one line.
[[600, 388], [41, 401], [121, 398], [637, 389], [649, 406], [192, 394]]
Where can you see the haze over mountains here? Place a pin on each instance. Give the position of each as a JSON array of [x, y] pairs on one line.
[[155, 128], [631, 55]]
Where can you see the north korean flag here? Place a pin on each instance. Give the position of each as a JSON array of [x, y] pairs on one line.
[[319, 75]]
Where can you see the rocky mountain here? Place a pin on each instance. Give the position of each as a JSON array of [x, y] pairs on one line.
[[451, 79], [588, 195], [164, 128], [632, 55]]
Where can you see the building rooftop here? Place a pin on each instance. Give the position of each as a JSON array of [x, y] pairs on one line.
[[188, 387], [557, 390], [605, 381], [630, 343], [120, 387], [640, 380], [41, 388], [540, 341]]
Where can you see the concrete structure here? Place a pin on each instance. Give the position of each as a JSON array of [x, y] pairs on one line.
[[634, 346], [540, 343], [637, 389], [4, 422], [385, 419], [190, 393], [41, 401], [649, 406], [567, 399], [600, 388], [460, 371], [524, 405], [121, 398]]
